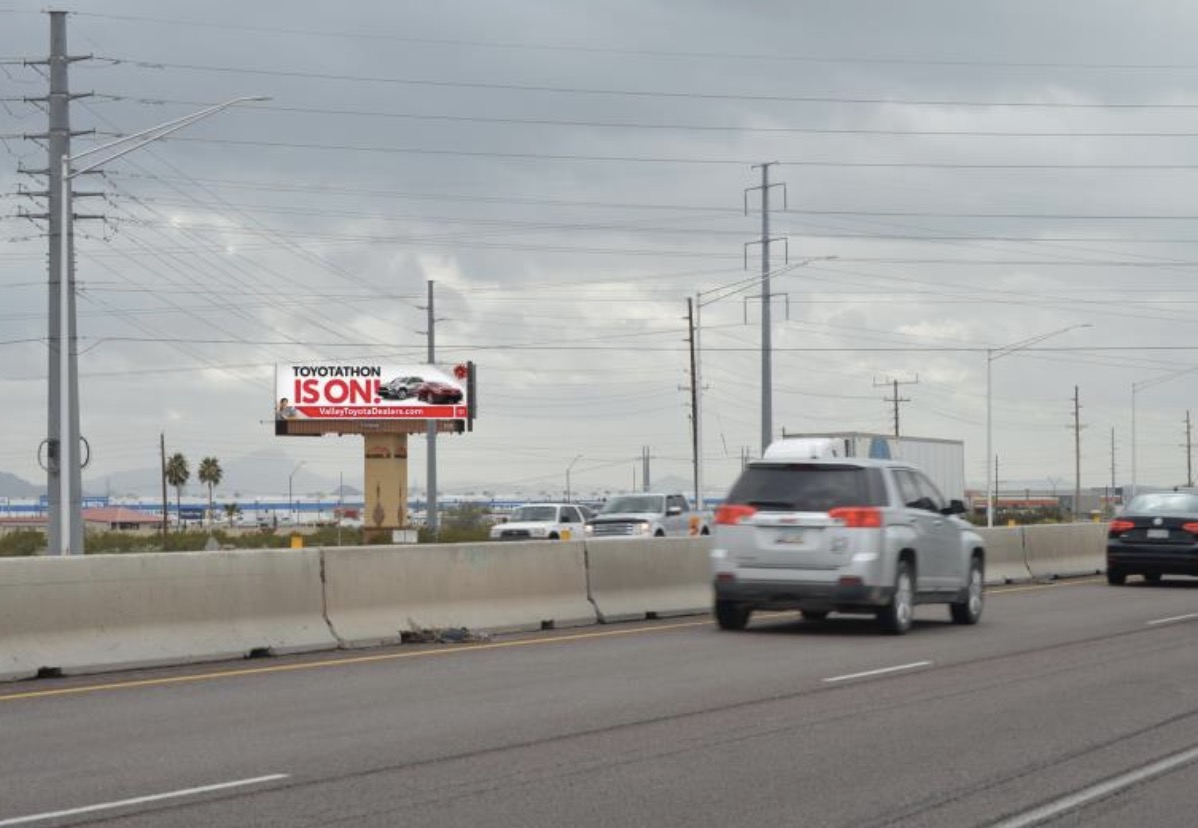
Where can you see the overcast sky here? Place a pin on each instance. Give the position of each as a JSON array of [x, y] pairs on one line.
[[959, 177]]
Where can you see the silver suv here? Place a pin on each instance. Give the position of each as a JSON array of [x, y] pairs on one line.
[[824, 534]]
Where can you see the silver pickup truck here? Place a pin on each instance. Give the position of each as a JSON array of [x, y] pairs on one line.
[[649, 516]]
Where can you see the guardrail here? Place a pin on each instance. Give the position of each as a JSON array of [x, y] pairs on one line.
[[108, 612], [375, 594], [105, 612]]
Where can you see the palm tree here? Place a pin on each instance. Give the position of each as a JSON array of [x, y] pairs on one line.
[[210, 474], [232, 510], [177, 475]]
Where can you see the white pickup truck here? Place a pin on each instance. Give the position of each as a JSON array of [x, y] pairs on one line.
[[544, 521], [649, 516]]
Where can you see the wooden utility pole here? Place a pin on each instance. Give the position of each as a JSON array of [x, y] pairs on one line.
[[896, 399], [996, 486], [162, 458], [1077, 453], [1189, 452], [1113, 489]]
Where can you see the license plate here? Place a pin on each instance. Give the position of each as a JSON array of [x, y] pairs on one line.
[[792, 539], [1158, 534]]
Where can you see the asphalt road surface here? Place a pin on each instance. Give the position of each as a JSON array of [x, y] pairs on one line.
[[1071, 704]]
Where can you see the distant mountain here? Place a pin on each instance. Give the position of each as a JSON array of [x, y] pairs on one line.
[[13, 486], [266, 472]]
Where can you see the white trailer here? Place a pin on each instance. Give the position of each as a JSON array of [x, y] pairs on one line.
[[941, 460]]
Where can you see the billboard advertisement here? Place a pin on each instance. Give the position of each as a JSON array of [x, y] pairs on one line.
[[372, 391]]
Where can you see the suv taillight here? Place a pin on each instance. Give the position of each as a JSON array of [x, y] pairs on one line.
[[730, 514], [858, 517], [1118, 527]]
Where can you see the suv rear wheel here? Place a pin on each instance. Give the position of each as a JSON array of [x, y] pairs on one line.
[[969, 611], [896, 618], [1116, 577], [731, 615]]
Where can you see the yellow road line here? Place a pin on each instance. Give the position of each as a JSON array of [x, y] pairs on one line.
[[337, 662]]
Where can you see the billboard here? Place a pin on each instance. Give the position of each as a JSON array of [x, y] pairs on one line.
[[372, 391]]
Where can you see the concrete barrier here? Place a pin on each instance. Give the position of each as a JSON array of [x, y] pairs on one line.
[[636, 579], [1006, 560], [1058, 551], [107, 612], [375, 594]]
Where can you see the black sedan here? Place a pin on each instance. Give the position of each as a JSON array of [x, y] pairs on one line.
[[1157, 534]]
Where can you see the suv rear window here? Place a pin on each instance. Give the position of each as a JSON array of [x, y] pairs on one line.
[[807, 487]]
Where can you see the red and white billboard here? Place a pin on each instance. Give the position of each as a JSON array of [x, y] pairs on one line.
[[371, 391]]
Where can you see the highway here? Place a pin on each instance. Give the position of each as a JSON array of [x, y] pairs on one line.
[[1071, 704]]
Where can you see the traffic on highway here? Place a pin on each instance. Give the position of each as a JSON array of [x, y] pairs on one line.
[[1071, 704]]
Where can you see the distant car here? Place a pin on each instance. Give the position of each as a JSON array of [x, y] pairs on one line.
[[400, 388], [1156, 534], [434, 391], [543, 521]]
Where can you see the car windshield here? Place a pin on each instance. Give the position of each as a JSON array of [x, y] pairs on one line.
[[634, 503], [534, 514], [1163, 503], [806, 487]]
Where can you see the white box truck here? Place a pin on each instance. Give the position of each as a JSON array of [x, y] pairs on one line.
[[941, 460]]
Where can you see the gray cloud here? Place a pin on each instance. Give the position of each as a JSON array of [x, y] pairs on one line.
[[468, 143]]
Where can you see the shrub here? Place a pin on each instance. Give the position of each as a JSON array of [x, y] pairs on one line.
[[22, 543]]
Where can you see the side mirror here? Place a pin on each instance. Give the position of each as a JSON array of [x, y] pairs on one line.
[[954, 507]]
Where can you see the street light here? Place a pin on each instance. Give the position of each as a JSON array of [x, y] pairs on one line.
[[568, 468], [66, 517], [1137, 387], [991, 355], [725, 291], [290, 478]]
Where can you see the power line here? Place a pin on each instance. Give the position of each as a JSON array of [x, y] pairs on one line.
[[588, 48], [619, 205], [636, 93], [670, 127], [648, 159]]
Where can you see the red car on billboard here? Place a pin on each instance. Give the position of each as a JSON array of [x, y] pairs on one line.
[[440, 393]]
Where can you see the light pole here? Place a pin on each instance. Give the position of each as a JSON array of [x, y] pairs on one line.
[[66, 518], [290, 502], [991, 355], [725, 291], [568, 468], [1136, 388]]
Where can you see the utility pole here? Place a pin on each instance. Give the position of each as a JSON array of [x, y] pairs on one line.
[[1189, 453], [767, 400], [896, 399], [1077, 453], [432, 520], [696, 443], [1113, 489], [64, 487], [162, 463], [645, 468], [997, 488]]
